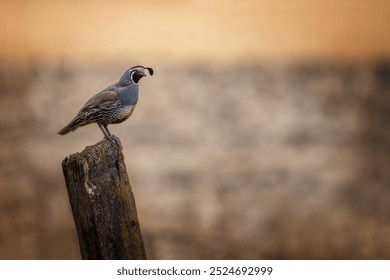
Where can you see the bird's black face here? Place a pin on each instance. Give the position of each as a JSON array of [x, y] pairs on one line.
[[136, 73]]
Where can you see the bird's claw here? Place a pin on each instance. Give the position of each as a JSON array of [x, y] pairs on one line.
[[115, 140]]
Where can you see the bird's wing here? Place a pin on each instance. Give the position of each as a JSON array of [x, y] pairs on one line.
[[102, 100]]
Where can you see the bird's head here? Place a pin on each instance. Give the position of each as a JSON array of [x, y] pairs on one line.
[[134, 74]]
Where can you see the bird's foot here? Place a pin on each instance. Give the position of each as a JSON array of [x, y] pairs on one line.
[[115, 140]]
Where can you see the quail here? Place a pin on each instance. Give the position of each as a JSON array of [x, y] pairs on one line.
[[112, 105]]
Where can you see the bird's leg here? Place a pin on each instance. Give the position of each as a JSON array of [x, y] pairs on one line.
[[109, 136], [108, 132], [105, 131]]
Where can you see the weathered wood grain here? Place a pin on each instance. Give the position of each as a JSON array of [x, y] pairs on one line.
[[102, 203]]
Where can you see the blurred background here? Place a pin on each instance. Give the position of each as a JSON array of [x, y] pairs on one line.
[[264, 133]]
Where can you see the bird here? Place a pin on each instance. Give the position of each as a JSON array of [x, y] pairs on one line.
[[112, 105]]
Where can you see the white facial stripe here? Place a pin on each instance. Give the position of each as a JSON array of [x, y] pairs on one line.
[[132, 71], [131, 77], [136, 68]]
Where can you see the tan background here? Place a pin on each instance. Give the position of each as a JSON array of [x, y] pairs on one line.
[[192, 30], [263, 134]]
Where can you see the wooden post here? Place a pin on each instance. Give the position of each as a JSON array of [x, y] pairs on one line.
[[102, 203]]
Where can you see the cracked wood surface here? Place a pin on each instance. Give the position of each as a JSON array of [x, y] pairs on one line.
[[102, 203]]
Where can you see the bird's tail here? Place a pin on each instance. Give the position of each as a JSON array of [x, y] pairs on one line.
[[77, 122]]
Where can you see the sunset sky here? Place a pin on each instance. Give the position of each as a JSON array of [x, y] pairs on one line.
[[192, 30]]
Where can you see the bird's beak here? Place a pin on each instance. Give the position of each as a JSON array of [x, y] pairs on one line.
[[141, 72]]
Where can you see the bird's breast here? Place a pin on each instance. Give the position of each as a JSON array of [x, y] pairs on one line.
[[128, 96], [119, 115]]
